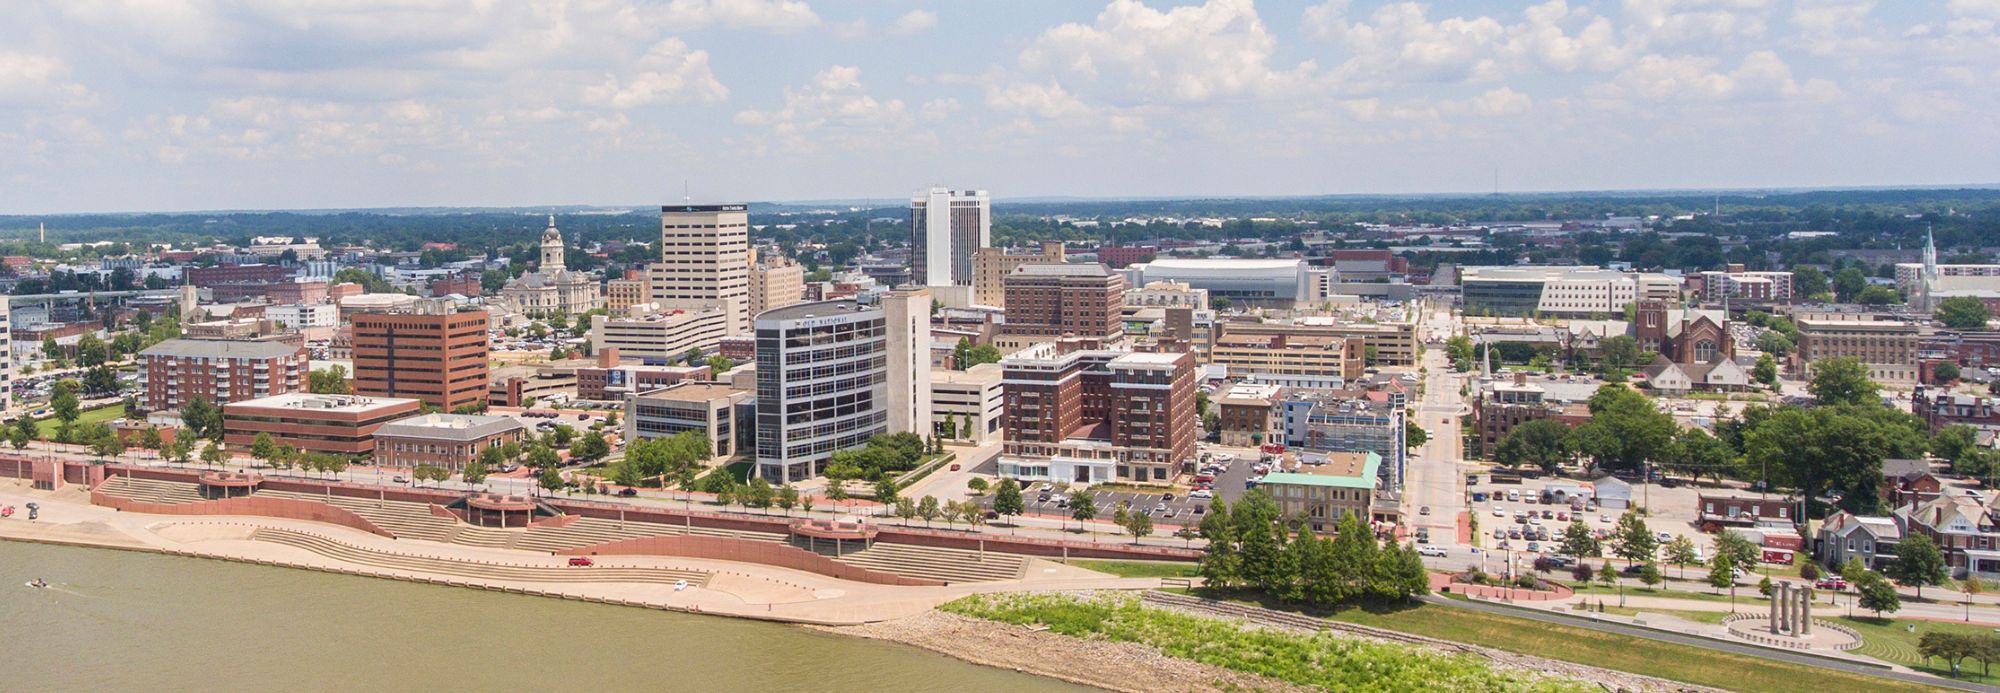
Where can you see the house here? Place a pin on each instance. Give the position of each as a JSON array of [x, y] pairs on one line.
[[1722, 375], [1718, 512], [1960, 525], [1845, 535], [1908, 481]]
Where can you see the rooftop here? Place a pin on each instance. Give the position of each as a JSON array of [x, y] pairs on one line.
[[329, 403], [819, 309], [1341, 470], [695, 391], [1050, 269], [220, 349], [457, 427], [982, 374], [1224, 263]]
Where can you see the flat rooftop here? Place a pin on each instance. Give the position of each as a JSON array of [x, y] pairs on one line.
[[1342, 470], [817, 309], [455, 427], [692, 391], [327, 403]]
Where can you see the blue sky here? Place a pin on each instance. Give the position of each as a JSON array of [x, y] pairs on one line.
[[128, 105]]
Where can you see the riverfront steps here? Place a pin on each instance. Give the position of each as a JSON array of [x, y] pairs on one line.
[[414, 520], [349, 553]]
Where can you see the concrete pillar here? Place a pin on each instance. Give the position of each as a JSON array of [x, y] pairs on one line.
[[1784, 597], [1774, 613], [1805, 611]]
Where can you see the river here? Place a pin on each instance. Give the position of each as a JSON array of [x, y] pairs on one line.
[[121, 620]]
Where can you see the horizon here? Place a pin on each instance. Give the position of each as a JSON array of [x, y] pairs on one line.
[[460, 104]]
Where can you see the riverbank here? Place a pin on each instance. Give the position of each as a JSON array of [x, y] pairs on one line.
[[713, 587]]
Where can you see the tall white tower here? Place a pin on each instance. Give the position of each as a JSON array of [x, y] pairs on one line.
[[946, 226], [908, 323], [552, 248]]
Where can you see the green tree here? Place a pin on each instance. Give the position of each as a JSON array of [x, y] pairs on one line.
[[1139, 524], [1774, 343], [1918, 562], [100, 380], [330, 381], [179, 450], [1945, 373], [543, 457], [1876, 594], [1848, 284], [1219, 565], [1543, 443], [91, 351], [1650, 575], [590, 447], [1765, 371], [976, 485], [1721, 573], [66, 406], [1577, 540], [1625, 430], [787, 498], [1682, 553], [1741, 551], [19, 437], [906, 508], [1007, 500], [885, 492], [1694, 452], [1808, 281], [928, 509], [1634, 541], [1620, 352], [1414, 436], [1082, 506], [204, 420], [1842, 380], [1254, 524], [1963, 313], [263, 447], [475, 471], [214, 453], [1953, 441], [150, 439]]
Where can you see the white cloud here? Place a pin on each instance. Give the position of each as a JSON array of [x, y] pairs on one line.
[[30, 79], [834, 109], [1667, 22], [1219, 49], [1501, 102], [669, 73], [939, 109], [1761, 75], [1399, 43], [914, 22]]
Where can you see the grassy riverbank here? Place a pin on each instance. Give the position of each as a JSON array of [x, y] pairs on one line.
[[1142, 569], [1320, 660]]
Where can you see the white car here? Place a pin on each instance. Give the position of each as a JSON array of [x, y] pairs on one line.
[[1201, 493], [1432, 550], [1499, 511]]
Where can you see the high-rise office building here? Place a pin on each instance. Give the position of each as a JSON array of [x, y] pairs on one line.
[[430, 352], [832, 374], [775, 282], [1098, 416], [704, 261], [946, 226]]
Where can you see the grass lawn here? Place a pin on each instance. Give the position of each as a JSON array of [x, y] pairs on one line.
[[1890, 640], [1609, 650], [88, 418], [1143, 569]]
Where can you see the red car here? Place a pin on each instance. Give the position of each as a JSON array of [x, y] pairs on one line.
[[1831, 582], [582, 561]]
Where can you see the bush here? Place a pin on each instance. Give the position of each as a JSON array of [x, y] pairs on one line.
[[1582, 572], [1809, 570]]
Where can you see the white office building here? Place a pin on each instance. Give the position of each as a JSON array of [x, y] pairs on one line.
[[704, 261], [822, 384], [946, 227]]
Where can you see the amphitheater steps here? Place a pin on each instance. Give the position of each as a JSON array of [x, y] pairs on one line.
[[405, 519], [935, 563], [152, 490], [442, 566]]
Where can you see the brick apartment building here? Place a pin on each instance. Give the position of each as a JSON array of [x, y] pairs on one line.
[[338, 424], [176, 371], [1054, 300], [1098, 416], [463, 284], [207, 277], [433, 353]]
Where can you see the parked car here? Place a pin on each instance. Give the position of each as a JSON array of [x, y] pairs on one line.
[[1425, 510], [1201, 493], [628, 492], [581, 561], [1664, 537], [1831, 582]]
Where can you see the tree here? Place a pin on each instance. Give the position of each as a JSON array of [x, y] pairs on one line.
[[1681, 552], [1007, 501], [1953, 441], [1808, 281], [1878, 296], [263, 447], [1842, 380], [1620, 352], [976, 485], [1918, 563], [91, 351], [1414, 436], [1219, 566], [543, 457], [928, 509], [214, 453], [1139, 524], [1719, 572], [1542, 443], [1876, 594], [66, 406], [1740, 551], [179, 450], [1650, 575], [1082, 506], [18, 436], [550, 479], [1944, 373], [1583, 574], [475, 471], [590, 447], [1695, 452], [1953, 648], [330, 381], [1625, 430], [1253, 522], [204, 420], [1848, 284], [1774, 343], [105, 443], [1577, 540], [1635, 541], [150, 439], [906, 509], [1963, 313], [100, 379], [1765, 371]]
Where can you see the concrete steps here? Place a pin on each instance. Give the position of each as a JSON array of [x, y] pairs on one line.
[[488, 537], [949, 565], [152, 490], [590, 530], [350, 553], [405, 519]]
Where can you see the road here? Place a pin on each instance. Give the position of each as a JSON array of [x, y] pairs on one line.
[[1707, 643], [1435, 478]]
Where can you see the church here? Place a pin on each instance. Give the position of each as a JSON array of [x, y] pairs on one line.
[[552, 287]]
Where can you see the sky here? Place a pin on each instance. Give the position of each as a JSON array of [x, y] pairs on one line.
[[167, 105]]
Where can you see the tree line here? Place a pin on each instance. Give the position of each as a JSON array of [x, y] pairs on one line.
[[1252, 546]]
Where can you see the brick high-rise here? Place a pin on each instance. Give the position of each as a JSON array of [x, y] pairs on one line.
[[221, 371], [1098, 416], [432, 352], [1084, 300]]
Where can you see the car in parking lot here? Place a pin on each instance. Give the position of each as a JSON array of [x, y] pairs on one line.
[[1499, 511], [1499, 534], [1534, 546], [1664, 537], [1200, 493], [1425, 510]]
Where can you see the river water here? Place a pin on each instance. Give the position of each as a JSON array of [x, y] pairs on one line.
[[121, 620]]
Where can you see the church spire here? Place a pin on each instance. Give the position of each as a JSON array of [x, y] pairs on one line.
[[1928, 282]]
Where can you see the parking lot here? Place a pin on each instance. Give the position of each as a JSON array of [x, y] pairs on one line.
[[1522, 513]]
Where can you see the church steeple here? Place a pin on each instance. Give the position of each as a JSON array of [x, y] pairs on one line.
[[552, 248], [1928, 281]]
